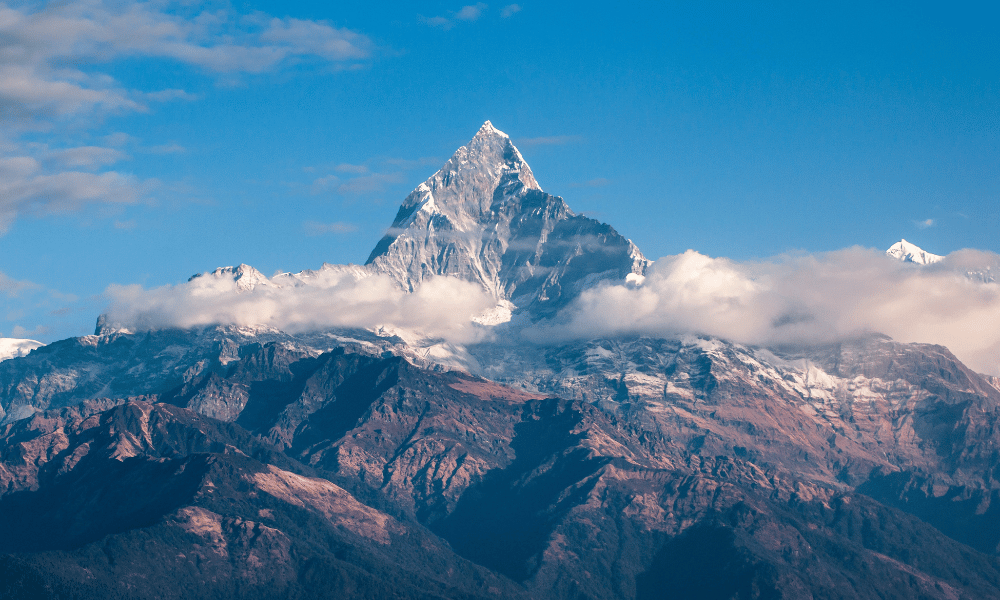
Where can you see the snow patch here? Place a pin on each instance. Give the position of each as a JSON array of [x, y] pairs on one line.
[[14, 347]]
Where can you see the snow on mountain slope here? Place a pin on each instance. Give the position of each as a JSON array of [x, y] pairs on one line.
[[906, 252], [13, 347]]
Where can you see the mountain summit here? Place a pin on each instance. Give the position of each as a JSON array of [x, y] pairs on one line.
[[484, 218], [906, 252]]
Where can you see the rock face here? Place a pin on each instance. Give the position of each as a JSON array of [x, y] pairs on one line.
[[389, 480], [153, 501]]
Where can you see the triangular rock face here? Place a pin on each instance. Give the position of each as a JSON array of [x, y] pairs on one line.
[[484, 218]]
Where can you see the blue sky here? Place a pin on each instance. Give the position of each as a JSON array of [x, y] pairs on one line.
[[144, 142]]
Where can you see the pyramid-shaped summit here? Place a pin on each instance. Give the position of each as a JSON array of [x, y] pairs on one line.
[[484, 218]]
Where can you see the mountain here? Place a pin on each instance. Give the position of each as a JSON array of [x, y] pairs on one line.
[[243, 461], [484, 218], [363, 475], [906, 252]]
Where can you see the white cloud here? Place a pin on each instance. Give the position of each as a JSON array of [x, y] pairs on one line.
[[38, 39], [468, 13], [925, 224], [25, 188], [86, 156], [54, 78], [442, 307], [510, 10], [808, 299], [471, 12]]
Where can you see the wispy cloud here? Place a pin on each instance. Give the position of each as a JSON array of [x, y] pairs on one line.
[[368, 184], [439, 22], [168, 95], [550, 140], [352, 169], [925, 223], [86, 156], [471, 12], [13, 288], [54, 79], [325, 184], [409, 164], [510, 10], [314, 228], [27, 300], [25, 188], [468, 14], [118, 138], [21, 332]]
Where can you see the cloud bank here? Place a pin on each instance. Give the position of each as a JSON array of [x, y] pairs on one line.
[[807, 299], [804, 299], [442, 308]]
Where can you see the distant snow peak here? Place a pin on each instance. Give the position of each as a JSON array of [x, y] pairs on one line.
[[246, 277], [906, 252], [13, 347]]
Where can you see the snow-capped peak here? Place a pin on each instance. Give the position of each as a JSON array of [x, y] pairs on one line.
[[489, 129], [245, 276], [906, 252], [483, 217], [13, 347]]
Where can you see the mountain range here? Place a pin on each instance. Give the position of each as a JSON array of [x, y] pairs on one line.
[[234, 460]]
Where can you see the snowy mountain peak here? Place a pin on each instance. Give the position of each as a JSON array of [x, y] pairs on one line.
[[906, 252], [13, 347], [245, 276], [484, 218], [489, 129]]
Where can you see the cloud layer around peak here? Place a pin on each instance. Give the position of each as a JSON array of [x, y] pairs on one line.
[[801, 300], [442, 308]]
